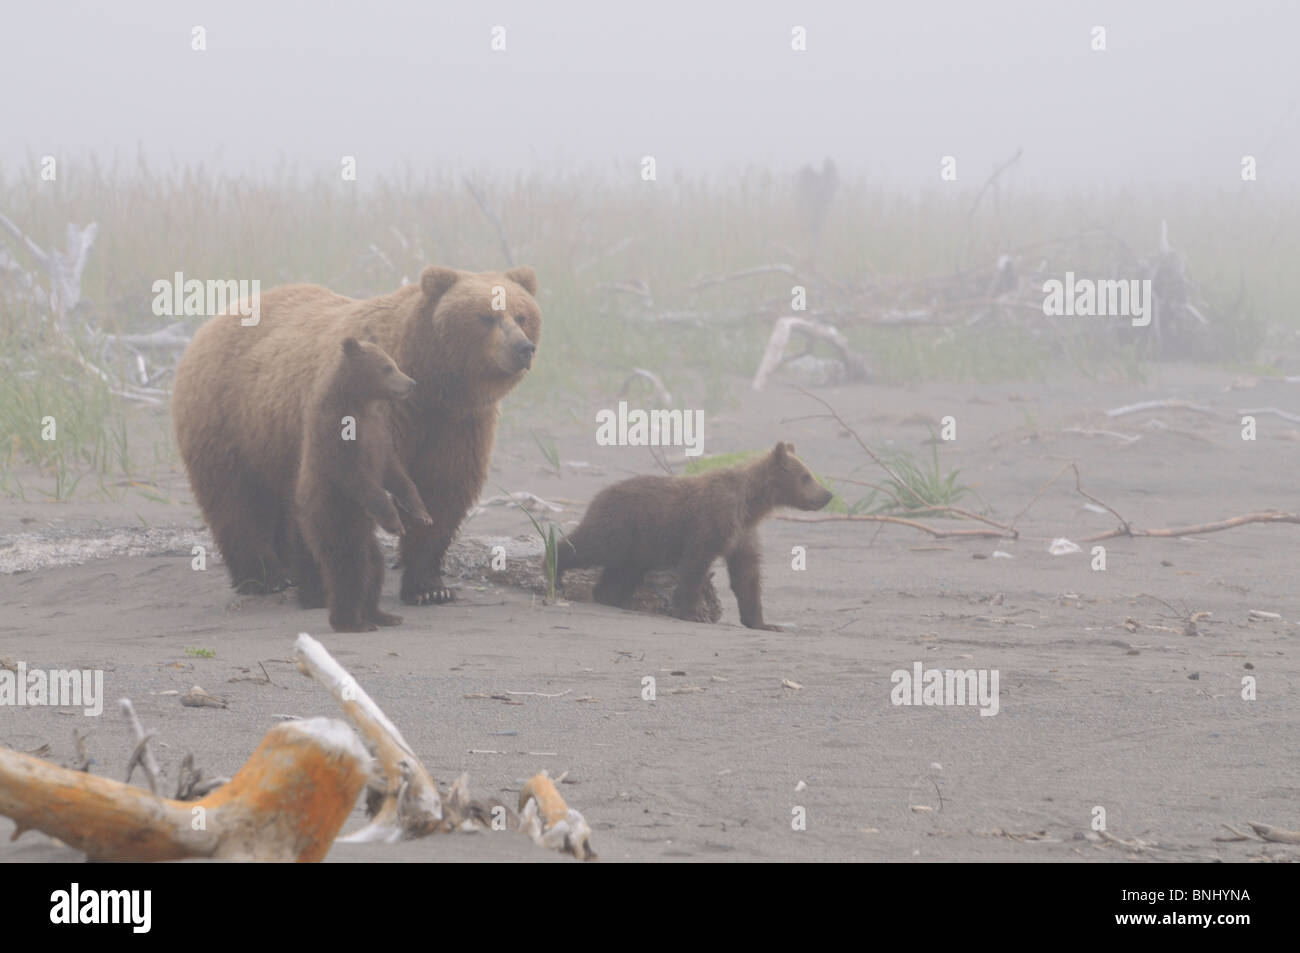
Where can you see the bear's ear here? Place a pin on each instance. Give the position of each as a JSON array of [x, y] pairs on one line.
[[789, 448], [351, 347], [435, 280], [525, 277], [779, 451]]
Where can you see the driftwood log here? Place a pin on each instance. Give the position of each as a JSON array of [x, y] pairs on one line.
[[521, 560], [287, 803], [406, 802]]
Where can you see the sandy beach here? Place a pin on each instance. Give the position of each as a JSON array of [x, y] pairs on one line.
[[1119, 689]]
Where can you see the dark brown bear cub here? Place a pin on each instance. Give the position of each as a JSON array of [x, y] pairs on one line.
[[684, 523], [348, 464]]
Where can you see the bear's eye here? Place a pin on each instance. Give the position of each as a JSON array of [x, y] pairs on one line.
[[520, 319], [807, 478], [389, 369], [489, 319]]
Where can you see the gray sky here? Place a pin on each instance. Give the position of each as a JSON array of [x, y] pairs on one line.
[[1182, 92]]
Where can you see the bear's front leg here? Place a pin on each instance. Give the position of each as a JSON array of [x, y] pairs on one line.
[[743, 566], [423, 547]]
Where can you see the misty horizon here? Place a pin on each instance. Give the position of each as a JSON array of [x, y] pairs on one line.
[[1181, 93]]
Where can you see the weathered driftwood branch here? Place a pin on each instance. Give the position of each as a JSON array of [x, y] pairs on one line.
[[854, 363], [1258, 411], [902, 521], [408, 803], [1170, 404], [550, 822], [661, 392], [1268, 516], [412, 806], [142, 755], [286, 803], [1278, 835]]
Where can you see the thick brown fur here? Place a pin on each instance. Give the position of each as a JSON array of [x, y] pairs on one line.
[[241, 395], [684, 523], [343, 483]]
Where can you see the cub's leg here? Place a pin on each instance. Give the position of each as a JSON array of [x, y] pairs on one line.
[[375, 586], [743, 566], [342, 560]]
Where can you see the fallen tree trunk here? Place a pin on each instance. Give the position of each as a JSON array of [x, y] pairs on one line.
[[287, 803]]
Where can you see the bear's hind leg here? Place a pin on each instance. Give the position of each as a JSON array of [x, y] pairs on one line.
[[616, 585], [244, 523]]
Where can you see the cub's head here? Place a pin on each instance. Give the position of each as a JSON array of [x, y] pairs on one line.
[[487, 324], [370, 374], [793, 483]]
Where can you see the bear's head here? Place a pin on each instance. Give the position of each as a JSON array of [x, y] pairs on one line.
[[368, 373], [486, 325], [793, 483]]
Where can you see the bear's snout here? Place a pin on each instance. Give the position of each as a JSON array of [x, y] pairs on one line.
[[524, 351], [816, 498], [401, 387]]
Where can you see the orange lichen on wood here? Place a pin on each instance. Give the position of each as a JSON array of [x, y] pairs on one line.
[[287, 803]]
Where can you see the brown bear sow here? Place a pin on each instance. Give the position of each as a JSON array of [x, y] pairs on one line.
[[684, 523], [348, 467], [241, 395]]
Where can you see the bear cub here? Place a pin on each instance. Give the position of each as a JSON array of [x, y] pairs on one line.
[[684, 523], [347, 469]]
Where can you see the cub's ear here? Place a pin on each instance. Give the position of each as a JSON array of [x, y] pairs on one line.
[[435, 280], [351, 347], [525, 277]]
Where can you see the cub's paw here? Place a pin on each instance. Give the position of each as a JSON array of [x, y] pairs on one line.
[[386, 618]]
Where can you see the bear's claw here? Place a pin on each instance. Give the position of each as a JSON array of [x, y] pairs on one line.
[[434, 597]]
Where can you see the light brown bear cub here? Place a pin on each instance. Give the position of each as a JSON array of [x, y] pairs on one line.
[[347, 468], [684, 523]]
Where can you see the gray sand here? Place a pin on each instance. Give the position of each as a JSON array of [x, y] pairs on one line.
[[1146, 720]]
